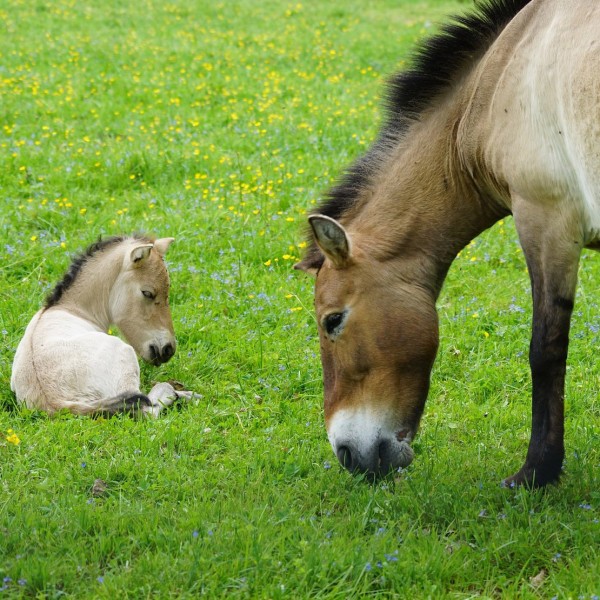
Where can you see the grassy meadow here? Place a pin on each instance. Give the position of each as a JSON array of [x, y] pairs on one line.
[[221, 124]]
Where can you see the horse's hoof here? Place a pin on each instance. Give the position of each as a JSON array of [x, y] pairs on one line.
[[514, 481], [531, 478]]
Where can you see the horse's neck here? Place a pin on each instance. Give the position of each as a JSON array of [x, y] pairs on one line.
[[89, 296], [424, 206]]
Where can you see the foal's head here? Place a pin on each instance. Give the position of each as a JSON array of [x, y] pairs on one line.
[[379, 337], [139, 300]]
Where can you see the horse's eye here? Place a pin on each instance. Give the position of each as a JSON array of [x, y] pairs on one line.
[[333, 322], [148, 295]]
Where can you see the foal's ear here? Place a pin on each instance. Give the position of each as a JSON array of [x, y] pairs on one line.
[[331, 238], [140, 253], [162, 245]]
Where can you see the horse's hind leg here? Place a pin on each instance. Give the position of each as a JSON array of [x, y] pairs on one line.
[[551, 241], [163, 395]]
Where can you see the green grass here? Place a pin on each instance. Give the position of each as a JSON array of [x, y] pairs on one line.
[[221, 124]]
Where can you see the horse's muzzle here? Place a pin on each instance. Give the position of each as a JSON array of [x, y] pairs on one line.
[[385, 456], [161, 354]]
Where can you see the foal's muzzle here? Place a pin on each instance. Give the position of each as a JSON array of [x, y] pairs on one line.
[[160, 354]]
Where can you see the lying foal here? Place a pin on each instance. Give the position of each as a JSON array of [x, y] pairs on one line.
[[67, 360]]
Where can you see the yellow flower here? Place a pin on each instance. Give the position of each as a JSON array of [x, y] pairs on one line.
[[12, 438], [268, 263]]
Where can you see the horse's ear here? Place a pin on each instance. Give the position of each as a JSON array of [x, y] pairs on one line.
[[331, 238], [162, 245], [140, 253]]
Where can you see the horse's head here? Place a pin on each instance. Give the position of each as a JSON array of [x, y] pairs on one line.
[[139, 301], [379, 337]]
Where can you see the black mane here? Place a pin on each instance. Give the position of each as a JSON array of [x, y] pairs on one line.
[[435, 66], [77, 265]]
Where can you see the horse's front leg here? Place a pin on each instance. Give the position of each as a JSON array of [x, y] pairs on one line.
[[552, 245]]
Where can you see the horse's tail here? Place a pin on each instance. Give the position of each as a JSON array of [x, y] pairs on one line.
[[128, 402]]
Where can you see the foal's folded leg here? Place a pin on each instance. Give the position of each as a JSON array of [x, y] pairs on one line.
[[163, 395]]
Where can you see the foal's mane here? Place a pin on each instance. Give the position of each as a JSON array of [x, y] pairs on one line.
[[79, 263], [436, 64]]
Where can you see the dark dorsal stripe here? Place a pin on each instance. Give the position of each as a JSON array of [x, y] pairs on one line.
[[79, 263], [435, 65]]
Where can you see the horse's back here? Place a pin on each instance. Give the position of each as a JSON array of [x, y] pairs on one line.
[[63, 358], [534, 112]]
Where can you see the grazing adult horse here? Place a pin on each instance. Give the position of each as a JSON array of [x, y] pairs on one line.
[[499, 115], [67, 360]]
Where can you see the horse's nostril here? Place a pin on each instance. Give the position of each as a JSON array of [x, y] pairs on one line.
[[345, 457], [385, 459], [167, 351], [154, 352]]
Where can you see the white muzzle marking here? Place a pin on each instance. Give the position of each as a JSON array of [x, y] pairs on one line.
[[363, 441]]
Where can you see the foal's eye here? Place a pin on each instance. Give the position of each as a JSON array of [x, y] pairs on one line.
[[333, 322], [148, 295]]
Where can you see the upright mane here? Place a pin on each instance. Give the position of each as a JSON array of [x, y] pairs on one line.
[[436, 65], [79, 263]]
